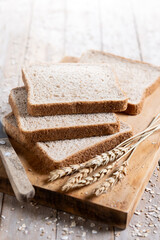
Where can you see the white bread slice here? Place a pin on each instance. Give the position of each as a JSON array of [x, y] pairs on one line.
[[137, 79], [66, 152], [58, 127], [72, 88]]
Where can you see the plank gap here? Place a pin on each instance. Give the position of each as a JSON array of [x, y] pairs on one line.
[[136, 31]]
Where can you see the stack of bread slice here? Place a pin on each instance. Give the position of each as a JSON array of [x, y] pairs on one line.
[[65, 113]]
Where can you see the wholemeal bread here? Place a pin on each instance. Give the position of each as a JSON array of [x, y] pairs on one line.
[[72, 88], [66, 152], [50, 128], [137, 79]]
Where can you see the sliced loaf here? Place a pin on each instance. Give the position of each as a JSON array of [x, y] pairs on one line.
[[66, 152], [137, 79], [58, 127], [72, 88]]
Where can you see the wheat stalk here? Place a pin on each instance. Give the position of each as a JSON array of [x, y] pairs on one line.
[[111, 181]]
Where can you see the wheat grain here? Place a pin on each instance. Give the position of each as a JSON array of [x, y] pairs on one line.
[[104, 159], [76, 182], [59, 173], [111, 181]]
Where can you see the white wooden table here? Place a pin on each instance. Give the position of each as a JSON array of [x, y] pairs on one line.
[[46, 30]]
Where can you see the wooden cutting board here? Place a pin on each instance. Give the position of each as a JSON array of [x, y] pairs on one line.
[[117, 206]]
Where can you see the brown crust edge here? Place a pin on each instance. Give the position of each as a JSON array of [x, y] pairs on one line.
[[72, 108], [132, 109], [88, 153], [78, 157], [64, 133]]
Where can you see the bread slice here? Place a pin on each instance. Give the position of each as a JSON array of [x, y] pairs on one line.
[[66, 152], [50, 128], [72, 88], [137, 79]]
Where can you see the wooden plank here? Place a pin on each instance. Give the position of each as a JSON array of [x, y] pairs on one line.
[[118, 32], [82, 31], [46, 38], [14, 27], [147, 23], [82, 228], [12, 44], [142, 222], [27, 221]]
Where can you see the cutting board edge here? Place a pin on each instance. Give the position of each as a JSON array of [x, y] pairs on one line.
[[139, 194], [47, 198]]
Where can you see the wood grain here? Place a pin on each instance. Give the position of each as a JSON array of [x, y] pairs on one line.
[[147, 24], [80, 32], [118, 30], [13, 45], [35, 217], [82, 228], [46, 36]]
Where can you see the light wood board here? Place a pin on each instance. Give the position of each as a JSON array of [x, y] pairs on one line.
[[117, 206]]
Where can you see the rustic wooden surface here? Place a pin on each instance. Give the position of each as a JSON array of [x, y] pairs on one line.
[[46, 31]]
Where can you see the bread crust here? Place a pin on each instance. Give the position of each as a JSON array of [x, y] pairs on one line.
[[87, 153], [132, 109], [73, 107], [71, 132], [78, 157]]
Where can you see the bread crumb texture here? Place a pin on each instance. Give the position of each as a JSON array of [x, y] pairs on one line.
[[59, 150], [27, 122], [134, 77], [59, 83]]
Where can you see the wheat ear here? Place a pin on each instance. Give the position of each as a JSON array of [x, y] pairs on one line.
[[106, 158], [111, 181], [75, 182]]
